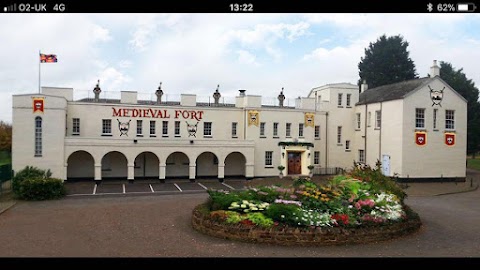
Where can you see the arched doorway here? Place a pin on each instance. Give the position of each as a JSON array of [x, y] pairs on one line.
[[206, 165], [114, 166], [177, 165], [146, 166], [235, 165], [81, 166]]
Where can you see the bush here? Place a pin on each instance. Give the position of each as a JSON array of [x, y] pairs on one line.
[[282, 212], [41, 189], [29, 172], [260, 220]]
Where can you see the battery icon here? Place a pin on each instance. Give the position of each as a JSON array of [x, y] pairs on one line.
[[466, 7]]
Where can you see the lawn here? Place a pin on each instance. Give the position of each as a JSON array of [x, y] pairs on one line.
[[473, 164]]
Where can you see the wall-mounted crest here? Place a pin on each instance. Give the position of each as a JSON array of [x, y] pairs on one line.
[[192, 129], [253, 118], [309, 119], [420, 138], [450, 139], [38, 104], [123, 127], [436, 96]]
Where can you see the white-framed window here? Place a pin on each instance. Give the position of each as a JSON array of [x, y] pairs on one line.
[[339, 134], [38, 136], [164, 128], [340, 95], [419, 118], [76, 126], [378, 119], [152, 129], [207, 129], [361, 156], [107, 127], [262, 129], [300, 130], [349, 98], [288, 130], [435, 116], [359, 121], [234, 129], [317, 132], [268, 158], [139, 128], [449, 119], [316, 157], [347, 145], [275, 129], [369, 120], [177, 128]]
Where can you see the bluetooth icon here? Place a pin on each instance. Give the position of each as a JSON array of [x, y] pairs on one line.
[[430, 7]]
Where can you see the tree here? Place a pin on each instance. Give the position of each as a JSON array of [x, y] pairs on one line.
[[386, 61], [465, 87], [5, 136]]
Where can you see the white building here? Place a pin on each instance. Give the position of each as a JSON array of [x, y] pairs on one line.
[[416, 128]]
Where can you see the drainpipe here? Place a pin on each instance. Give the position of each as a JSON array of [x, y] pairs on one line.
[[380, 135], [326, 140], [365, 142]]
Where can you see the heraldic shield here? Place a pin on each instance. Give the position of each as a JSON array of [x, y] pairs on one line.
[[420, 138]]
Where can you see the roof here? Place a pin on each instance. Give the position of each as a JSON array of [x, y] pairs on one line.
[[391, 91]]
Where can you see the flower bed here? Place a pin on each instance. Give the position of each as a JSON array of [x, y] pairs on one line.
[[346, 210]]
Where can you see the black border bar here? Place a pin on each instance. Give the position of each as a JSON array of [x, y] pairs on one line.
[[231, 6]]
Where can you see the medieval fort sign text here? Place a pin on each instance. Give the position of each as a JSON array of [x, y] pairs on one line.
[[156, 113]]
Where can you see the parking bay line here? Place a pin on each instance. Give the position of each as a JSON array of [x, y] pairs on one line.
[[94, 189], [178, 187], [228, 186], [123, 188], [204, 187], [151, 188]]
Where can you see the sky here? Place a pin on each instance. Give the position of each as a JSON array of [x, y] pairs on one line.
[[193, 53]]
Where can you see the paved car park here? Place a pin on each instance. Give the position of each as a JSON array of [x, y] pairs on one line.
[[112, 187]]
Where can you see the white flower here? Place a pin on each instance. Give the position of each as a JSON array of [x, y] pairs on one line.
[[282, 216]]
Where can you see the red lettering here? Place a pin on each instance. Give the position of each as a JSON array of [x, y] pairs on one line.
[[183, 114], [159, 114], [135, 113], [200, 115], [177, 112], [194, 115], [125, 113], [117, 113], [145, 113], [152, 113], [165, 114]]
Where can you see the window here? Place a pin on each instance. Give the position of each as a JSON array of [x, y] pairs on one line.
[[361, 156], [316, 157], [359, 121], [165, 129], [139, 128], [234, 129], [152, 129], [268, 158], [378, 119], [275, 130], [262, 129], [419, 118], [288, 130], [317, 132], [339, 100], [38, 136], [207, 129], [300, 130], [369, 118], [107, 127], [339, 135], [449, 119], [349, 98], [177, 128], [76, 126], [435, 113], [347, 145]]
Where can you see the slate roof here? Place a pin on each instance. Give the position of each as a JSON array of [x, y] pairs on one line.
[[391, 91]]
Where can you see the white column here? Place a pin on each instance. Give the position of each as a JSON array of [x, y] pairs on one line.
[[221, 171], [191, 174], [131, 172], [162, 168], [65, 169], [249, 170], [98, 172]]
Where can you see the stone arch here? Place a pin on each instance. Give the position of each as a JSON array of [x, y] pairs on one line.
[[81, 166], [206, 165], [114, 166], [235, 165], [177, 165], [146, 166]]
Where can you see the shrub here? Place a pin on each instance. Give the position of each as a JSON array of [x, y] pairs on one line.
[[260, 220], [222, 200], [303, 181], [41, 189], [29, 172], [282, 212]]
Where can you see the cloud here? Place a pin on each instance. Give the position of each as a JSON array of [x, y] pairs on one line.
[[245, 57]]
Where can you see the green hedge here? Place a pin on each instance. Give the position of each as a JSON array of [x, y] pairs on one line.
[[41, 189]]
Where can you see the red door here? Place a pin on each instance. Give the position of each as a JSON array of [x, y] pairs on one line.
[[294, 163]]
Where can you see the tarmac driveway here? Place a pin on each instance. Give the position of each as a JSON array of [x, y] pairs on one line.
[[159, 226]]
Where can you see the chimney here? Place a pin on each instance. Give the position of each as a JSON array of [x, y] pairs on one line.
[[97, 91], [242, 92], [217, 95], [159, 93], [434, 70], [364, 86]]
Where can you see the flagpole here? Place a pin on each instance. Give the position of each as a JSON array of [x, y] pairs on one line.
[[39, 66]]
